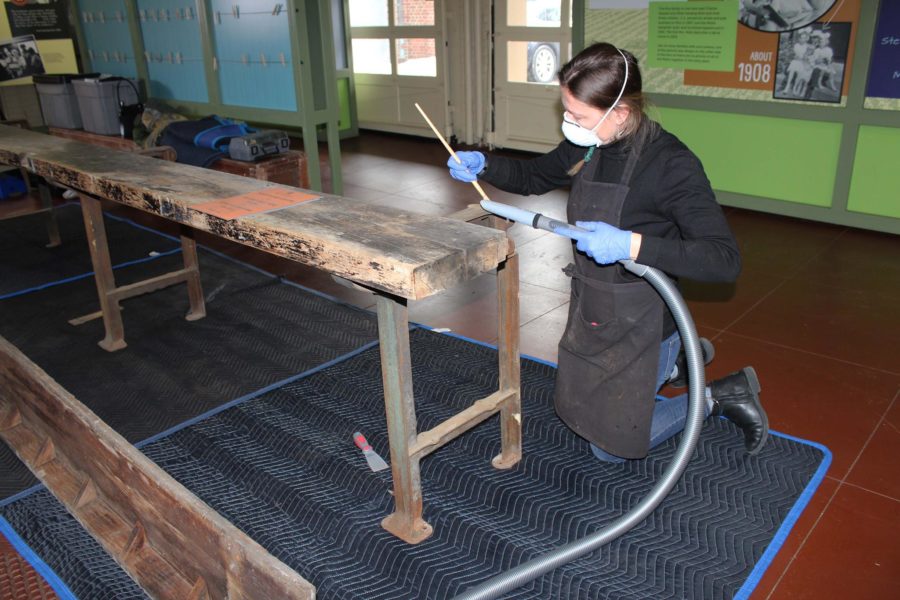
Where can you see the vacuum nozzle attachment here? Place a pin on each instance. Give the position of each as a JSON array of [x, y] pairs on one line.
[[533, 219]]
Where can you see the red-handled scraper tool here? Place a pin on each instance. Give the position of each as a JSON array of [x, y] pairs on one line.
[[376, 463]]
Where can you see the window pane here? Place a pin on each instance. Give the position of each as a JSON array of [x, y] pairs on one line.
[[337, 26], [372, 56], [533, 13], [532, 62], [416, 56], [368, 13], [414, 12]]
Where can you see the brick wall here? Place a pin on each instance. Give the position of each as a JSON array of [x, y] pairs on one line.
[[415, 12]]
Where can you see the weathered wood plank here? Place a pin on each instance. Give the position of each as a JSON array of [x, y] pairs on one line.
[[164, 536], [400, 252]]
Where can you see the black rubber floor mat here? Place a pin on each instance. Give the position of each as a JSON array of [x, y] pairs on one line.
[[283, 468], [26, 262], [258, 331]]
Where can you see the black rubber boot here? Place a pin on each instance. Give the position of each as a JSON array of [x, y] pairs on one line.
[[706, 349], [736, 397]]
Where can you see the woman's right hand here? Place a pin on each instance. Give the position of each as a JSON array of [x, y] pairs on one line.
[[470, 165]]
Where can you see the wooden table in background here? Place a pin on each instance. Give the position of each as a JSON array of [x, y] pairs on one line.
[[287, 168]]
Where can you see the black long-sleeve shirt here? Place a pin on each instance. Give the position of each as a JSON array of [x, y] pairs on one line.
[[670, 202]]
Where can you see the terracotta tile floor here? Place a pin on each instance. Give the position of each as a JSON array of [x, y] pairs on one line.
[[815, 311]]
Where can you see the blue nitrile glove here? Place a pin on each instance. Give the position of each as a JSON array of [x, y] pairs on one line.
[[468, 170], [603, 242]]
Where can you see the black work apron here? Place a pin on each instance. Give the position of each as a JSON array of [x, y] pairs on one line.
[[609, 353]]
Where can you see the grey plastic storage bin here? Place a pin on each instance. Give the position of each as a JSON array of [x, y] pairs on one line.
[[98, 102], [58, 102]]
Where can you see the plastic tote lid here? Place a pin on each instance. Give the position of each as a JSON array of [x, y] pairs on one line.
[[62, 77]]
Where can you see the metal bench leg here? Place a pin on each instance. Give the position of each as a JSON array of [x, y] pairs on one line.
[[103, 274], [49, 215], [192, 275], [508, 349], [396, 372]]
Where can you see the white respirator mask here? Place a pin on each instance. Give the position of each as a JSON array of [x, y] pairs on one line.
[[582, 136]]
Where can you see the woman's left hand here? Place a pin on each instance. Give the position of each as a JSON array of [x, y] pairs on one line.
[[603, 242]]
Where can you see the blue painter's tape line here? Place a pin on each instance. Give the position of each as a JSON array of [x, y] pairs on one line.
[[23, 494], [789, 521], [91, 273], [42, 568], [255, 394], [86, 275]]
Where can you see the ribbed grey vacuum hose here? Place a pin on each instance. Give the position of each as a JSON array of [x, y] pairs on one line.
[[524, 573]]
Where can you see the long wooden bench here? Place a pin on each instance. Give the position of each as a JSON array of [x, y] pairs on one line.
[[398, 255]]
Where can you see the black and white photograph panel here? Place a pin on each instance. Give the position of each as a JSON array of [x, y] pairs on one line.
[[811, 62], [19, 57], [781, 15]]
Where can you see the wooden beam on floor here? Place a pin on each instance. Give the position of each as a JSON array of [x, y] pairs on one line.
[[167, 539]]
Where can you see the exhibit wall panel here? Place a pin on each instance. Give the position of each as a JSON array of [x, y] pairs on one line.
[[800, 118], [107, 36], [253, 55], [782, 159], [173, 50], [875, 184]]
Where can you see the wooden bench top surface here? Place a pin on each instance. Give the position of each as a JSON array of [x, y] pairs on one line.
[[401, 252]]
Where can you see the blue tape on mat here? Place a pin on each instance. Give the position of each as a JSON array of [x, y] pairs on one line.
[[49, 575], [789, 521], [86, 275], [255, 394], [26, 492]]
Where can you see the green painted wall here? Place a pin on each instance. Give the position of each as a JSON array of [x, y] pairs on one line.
[[875, 183], [770, 157]]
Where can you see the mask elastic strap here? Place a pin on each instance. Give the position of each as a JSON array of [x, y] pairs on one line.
[[624, 83], [619, 97]]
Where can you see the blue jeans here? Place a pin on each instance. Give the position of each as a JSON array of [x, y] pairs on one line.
[[669, 414]]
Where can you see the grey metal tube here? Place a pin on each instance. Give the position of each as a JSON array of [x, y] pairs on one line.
[[526, 572]]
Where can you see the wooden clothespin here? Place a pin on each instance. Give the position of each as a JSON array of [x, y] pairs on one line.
[[188, 13], [262, 58], [282, 59], [178, 59], [245, 59]]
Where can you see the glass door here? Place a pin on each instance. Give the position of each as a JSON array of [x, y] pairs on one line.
[[396, 64], [532, 40]]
